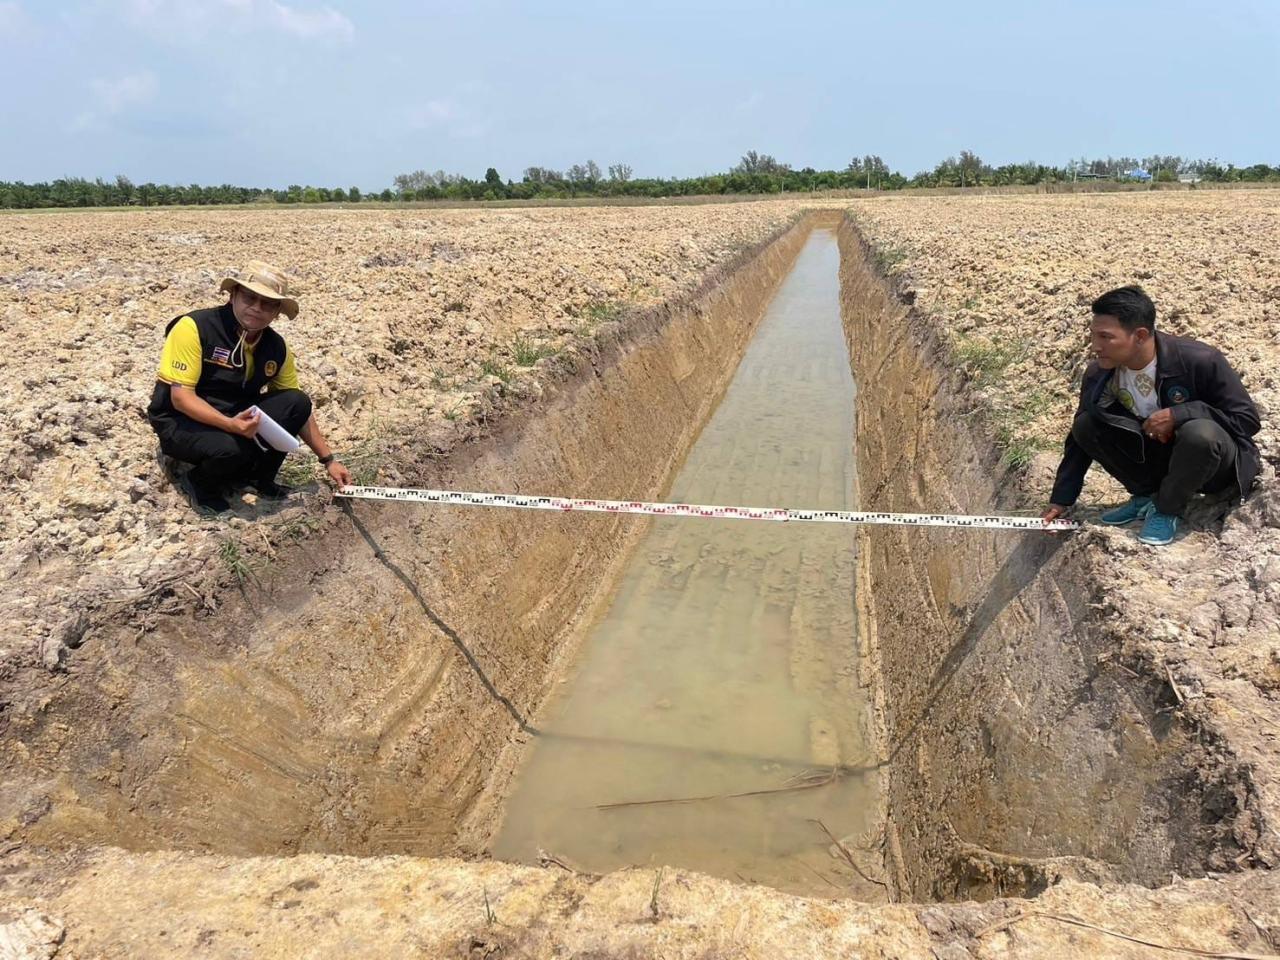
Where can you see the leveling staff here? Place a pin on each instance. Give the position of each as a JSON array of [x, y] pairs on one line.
[[1166, 416], [216, 364]]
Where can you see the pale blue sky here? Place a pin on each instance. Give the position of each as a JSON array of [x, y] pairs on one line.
[[335, 93]]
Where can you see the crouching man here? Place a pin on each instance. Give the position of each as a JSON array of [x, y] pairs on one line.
[[1166, 416], [216, 364]]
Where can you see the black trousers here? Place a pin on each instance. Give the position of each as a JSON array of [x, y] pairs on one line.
[[1201, 457], [223, 459]]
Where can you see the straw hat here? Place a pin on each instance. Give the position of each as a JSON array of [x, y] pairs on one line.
[[266, 281]]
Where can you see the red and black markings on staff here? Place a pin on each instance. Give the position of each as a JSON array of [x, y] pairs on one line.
[[518, 501]]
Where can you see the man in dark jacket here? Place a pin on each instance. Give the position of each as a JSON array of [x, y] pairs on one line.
[[217, 366], [1166, 416]]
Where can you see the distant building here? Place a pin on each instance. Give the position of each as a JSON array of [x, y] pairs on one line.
[[1137, 173], [1189, 178]]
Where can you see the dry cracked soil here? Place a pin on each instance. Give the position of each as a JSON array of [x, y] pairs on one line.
[[412, 322], [419, 328]]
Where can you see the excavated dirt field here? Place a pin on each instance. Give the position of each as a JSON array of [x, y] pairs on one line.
[[412, 322], [1007, 282], [266, 736]]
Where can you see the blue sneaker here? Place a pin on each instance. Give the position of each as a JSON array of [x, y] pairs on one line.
[[1135, 509], [1159, 528]]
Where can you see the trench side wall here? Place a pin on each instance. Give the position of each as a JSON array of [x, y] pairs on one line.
[[368, 699], [1010, 741]]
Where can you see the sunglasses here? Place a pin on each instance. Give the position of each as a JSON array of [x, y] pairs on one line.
[[265, 304]]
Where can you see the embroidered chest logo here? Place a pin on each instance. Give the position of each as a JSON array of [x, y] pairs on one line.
[[270, 368], [221, 356], [1178, 395]]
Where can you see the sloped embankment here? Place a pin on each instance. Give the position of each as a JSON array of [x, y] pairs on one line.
[[370, 698], [1025, 742]]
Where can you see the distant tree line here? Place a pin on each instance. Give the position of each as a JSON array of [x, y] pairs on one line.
[[968, 170], [755, 173], [123, 192]]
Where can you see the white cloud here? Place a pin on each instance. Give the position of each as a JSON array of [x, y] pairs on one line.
[[433, 113], [13, 21], [113, 96], [471, 131], [182, 18], [308, 24], [446, 116]]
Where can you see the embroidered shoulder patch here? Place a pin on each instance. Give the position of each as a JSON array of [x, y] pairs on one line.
[[1178, 394]]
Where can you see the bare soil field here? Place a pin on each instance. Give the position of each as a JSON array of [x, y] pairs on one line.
[[1010, 279], [409, 319], [1070, 727]]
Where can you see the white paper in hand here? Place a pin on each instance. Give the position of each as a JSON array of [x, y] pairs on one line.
[[272, 434]]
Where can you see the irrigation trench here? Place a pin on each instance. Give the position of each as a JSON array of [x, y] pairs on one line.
[[714, 719], [726, 662], [928, 696]]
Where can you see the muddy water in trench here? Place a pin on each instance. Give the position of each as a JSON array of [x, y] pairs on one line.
[[727, 661]]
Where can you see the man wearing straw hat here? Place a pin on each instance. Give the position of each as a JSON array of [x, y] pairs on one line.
[[216, 365]]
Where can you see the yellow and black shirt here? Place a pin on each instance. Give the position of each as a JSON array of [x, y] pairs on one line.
[[205, 351]]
